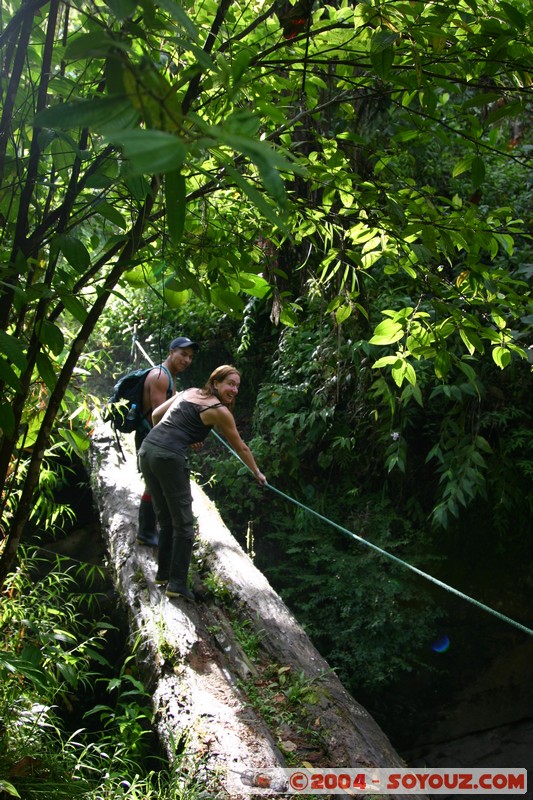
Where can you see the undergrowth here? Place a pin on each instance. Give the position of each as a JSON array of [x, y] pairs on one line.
[[51, 655]]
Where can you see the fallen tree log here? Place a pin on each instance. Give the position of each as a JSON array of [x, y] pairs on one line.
[[206, 688]]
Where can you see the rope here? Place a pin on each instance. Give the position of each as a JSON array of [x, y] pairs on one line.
[[425, 575]]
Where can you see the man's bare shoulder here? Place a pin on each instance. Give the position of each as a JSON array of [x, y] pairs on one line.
[[157, 375]]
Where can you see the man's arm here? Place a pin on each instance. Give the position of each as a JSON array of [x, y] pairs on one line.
[[155, 391]]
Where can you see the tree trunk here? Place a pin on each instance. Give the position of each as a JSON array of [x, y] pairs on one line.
[[195, 666]]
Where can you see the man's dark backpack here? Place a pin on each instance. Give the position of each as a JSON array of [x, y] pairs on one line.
[[124, 407]]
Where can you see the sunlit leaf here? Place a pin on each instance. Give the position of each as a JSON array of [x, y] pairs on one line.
[[387, 332], [74, 306], [501, 356]]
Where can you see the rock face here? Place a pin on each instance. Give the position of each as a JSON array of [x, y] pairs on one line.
[[206, 689]]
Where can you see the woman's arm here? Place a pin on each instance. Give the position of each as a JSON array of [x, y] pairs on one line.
[[223, 420]]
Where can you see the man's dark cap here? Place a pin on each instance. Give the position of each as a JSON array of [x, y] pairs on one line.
[[182, 341]]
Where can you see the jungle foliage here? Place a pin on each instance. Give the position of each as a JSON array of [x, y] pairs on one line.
[[55, 644], [267, 152], [337, 197]]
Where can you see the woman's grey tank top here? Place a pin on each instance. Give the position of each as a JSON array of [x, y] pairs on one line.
[[182, 427]]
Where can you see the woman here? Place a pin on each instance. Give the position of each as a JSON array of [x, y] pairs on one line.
[[180, 422]]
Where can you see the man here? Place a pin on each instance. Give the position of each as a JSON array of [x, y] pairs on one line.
[[159, 386]]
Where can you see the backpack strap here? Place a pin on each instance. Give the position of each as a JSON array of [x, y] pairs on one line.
[[170, 382]]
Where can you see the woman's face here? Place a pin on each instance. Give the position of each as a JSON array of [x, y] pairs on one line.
[[228, 388]]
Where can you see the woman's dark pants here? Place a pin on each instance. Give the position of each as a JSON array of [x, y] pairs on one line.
[[167, 477]]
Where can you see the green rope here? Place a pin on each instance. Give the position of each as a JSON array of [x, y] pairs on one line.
[[388, 555]]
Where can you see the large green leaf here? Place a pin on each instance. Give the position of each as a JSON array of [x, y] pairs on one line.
[[8, 376], [95, 44], [150, 152], [74, 251], [100, 114], [387, 332], [46, 370], [122, 9], [111, 213], [177, 13], [227, 301], [13, 349], [51, 336], [74, 306]]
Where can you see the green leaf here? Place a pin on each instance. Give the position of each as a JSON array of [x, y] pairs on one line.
[[8, 788], [13, 350], [382, 61], [384, 362], [442, 364], [288, 315], [101, 114], [176, 299], [383, 40], [471, 340], [46, 370], [74, 306], [111, 213], [51, 336], [387, 332], [74, 251], [122, 9], [254, 285], [63, 151], [463, 165], [481, 99], [96, 44], [467, 370], [7, 418], [506, 110], [342, 314], [513, 14], [175, 205], [150, 152], [240, 64], [501, 356], [8, 376], [178, 15], [227, 301], [76, 440]]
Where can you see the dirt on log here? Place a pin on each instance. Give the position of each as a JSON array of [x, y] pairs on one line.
[[236, 710]]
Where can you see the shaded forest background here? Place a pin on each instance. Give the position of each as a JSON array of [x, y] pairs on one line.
[[337, 199]]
